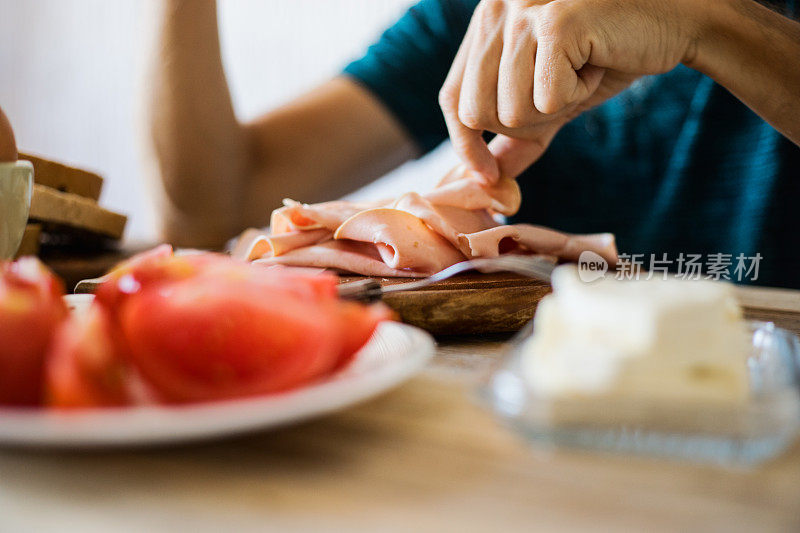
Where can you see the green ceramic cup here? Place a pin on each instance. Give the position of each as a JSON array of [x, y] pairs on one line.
[[16, 188]]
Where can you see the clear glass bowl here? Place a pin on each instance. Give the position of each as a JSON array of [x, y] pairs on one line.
[[740, 434]]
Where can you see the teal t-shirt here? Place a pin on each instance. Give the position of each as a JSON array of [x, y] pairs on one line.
[[677, 167]]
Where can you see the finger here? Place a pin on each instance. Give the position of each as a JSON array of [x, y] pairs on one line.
[[471, 148], [515, 107], [591, 76], [515, 156], [467, 143], [477, 105], [557, 82]]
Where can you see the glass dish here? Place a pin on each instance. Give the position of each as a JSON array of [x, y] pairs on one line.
[[730, 434]]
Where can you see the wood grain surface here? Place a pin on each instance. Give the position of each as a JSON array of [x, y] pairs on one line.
[[425, 457], [471, 303]]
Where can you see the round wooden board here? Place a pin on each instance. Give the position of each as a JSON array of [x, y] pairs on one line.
[[468, 304], [471, 303]]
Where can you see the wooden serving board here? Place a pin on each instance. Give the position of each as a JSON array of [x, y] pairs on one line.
[[468, 304], [464, 305]]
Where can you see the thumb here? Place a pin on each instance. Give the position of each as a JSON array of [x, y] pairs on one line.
[[514, 156], [473, 151], [558, 82]]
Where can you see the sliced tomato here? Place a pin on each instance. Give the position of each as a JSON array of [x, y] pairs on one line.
[[205, 326], [197, 340], [129, 276], [306, 282], [159, 266], [357, 324], [31, 307], [302, 283], [85, 366]]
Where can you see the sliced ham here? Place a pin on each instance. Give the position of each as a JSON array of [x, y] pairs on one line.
[[402, 239], [414, 235], [473, 192], [267, 245], [449, 222], [294, 216], [539, 240], [241, 247], [603, 244], [344, 256]]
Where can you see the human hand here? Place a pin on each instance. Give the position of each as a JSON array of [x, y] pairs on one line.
[[527, 67], [8, 145]]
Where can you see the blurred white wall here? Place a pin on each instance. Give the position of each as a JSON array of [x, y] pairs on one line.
[[71, 73]]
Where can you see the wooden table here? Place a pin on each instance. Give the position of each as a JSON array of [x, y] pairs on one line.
[[424, 457]]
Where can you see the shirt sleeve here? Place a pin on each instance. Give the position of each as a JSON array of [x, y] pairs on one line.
[[407, 66]]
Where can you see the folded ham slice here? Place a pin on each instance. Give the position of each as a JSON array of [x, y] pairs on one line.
[[472, 192], [449, 222], [414, 235], [271, 245], [294, 216], [344, 256], [539, 240], [402, 240]]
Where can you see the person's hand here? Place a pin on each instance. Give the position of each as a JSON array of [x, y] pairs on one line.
[[8, 145], [527, 67]]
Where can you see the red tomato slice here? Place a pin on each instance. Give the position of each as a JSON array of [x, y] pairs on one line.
[[85, 366], [205, 326], [322, 285], [204, 339], [142, 269], [300, 283], [31, 307], [159, 266]]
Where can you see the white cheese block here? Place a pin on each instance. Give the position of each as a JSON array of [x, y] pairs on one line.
[[657, 338]]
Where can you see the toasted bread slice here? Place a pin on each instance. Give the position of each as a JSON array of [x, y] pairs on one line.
[[55, 207], [65, 178]]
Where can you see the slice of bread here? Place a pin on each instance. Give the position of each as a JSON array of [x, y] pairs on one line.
[[71, 210], [65, 178]]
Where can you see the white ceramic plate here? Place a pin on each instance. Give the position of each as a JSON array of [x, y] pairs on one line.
[[394, 354]]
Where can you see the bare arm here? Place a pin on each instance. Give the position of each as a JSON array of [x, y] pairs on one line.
[[218, 175], [753, 52]]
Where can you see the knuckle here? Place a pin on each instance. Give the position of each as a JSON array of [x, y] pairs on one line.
[[554, 21], [472, 118], [447, 99], [491, 8], [512, 118], [487, 18], [519, 26]]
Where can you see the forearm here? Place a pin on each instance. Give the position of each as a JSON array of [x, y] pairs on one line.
[[200, 147], [753, 52], [320, 146]]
